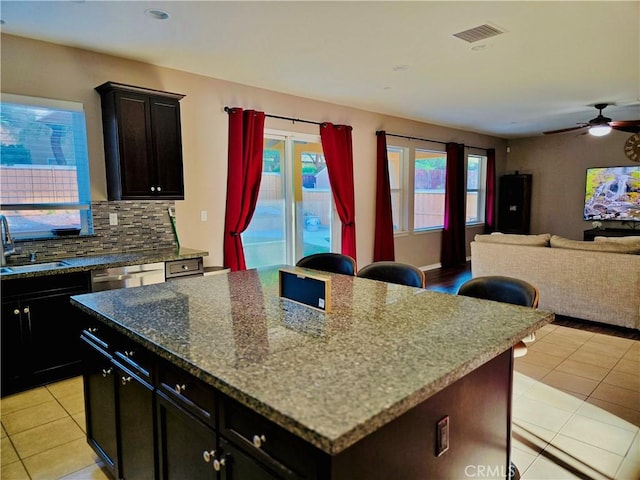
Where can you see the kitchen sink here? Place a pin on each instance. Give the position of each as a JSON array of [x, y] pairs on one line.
[[33, 267]]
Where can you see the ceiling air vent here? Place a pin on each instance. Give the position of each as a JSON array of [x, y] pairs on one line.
[[478, 33]]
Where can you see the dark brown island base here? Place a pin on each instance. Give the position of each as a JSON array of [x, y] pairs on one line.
[[219, 378]]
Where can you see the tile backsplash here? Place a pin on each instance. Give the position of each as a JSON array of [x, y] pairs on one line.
[[142, 225]]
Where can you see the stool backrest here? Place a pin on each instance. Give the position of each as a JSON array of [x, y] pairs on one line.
[[394, 272], [329, 262], [501, 289]]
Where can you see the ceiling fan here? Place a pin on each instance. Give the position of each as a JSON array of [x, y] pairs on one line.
[[602, 125]]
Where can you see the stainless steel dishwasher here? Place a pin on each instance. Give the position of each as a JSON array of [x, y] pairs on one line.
[[126, 277]]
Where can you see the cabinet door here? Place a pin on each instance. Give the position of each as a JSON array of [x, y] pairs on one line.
[[167, 148], [54, 327], [187, 448], [100, 403], [12, 352], [134, 135], [136, 419], [238, 465]]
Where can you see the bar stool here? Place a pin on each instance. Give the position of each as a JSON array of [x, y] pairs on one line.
[[507, 290], [394, 272], [329, 262]]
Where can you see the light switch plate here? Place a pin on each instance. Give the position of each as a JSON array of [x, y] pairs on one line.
[[113, 219], [442, 436], [203, 215]]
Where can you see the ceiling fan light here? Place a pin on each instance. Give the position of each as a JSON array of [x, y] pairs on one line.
[[599, 130]]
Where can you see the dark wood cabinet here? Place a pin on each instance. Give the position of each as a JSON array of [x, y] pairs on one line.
[[100, 401], [591, 234], [514, 203], [142, 142], [119, 406], [187, 447], [40, 331]]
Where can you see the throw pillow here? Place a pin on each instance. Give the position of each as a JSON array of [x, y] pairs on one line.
[[561, 242], [630, 240], [541, 240]]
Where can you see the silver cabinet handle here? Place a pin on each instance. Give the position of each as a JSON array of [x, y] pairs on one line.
[[258, 440], [129, 353], [92, 329], [159, 189], [25, 310], [125, 380], [180, 388], [16, 311], [106, 372], [218, 464], [153, 189], [208, 455]]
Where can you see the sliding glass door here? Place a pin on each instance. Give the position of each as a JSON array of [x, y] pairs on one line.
[[295, 215]]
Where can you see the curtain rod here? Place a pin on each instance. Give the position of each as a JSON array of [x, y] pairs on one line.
[[424, 139], [294, 120]]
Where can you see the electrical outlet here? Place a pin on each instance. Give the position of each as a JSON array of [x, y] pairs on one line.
[[442, 436], [203, 215], [113, 219]]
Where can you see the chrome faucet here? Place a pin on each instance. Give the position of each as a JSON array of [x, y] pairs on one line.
[[7, 243]]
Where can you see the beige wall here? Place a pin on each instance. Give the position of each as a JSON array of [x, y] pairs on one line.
[[34, 68], [558, 164]]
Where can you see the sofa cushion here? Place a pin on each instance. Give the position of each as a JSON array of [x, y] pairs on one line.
[[541, 240], [561, 242], [630, 240]]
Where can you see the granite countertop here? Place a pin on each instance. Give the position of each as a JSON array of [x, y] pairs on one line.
[[93, 262], [330, 378]]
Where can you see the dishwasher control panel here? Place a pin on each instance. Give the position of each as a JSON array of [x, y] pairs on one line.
[[184, 268]]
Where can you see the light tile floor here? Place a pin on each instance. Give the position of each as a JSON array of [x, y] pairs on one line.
[[576, 406], [576, 414]]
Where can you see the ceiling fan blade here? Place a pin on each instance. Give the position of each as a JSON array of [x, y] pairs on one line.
[[631, 126], [563, 130], [630, 129]]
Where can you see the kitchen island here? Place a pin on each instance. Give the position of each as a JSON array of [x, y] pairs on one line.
[[394, 382]]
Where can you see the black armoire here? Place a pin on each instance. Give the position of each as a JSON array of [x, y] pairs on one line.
[[514, 203]]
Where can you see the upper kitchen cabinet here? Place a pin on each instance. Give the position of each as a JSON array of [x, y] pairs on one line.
[[142, 142]]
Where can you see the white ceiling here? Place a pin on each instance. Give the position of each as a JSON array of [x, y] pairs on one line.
[[552, 64]]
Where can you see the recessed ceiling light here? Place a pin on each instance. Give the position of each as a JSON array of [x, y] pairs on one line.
[[387, 88], [400, 68], [156, 14], [482, 46]]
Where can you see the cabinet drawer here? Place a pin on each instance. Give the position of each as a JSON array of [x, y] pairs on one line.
[[192, 394], [182, 268], [135, 358], [263, 439]]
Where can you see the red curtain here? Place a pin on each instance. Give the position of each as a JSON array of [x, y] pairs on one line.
[[490, 201], [453, 251], [246, 138], [338, 153], [383, 248]]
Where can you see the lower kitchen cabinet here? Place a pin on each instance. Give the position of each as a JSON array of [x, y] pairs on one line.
[[100, 402], [187, 447], [119, 409], [40, 330], [149, 419]]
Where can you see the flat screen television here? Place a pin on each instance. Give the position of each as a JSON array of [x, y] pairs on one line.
[[613, 193]]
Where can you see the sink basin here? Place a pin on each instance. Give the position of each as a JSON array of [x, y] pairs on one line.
[[34, 267]]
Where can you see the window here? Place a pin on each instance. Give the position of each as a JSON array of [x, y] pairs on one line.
[[44, 166], [295, 215], [430, 176], [425, 203], [476, 178]]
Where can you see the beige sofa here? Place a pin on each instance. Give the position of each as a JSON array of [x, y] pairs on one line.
[[576, 279]]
